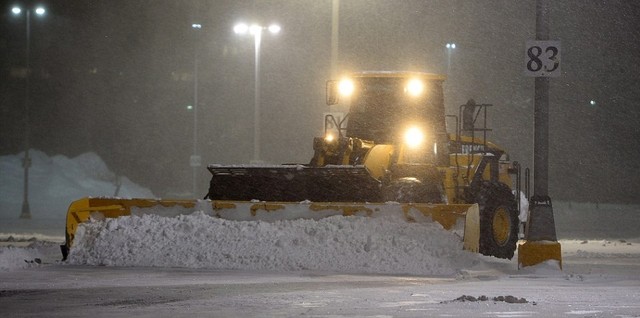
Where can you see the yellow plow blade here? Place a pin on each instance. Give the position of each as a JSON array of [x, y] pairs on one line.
[[461, 218]]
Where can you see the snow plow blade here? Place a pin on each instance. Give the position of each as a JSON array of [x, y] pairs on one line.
[[293, 183], [462, 219]]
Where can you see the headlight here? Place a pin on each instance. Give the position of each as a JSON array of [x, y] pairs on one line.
[[414, 137], [346, 87], [329, 137], [414, 87]]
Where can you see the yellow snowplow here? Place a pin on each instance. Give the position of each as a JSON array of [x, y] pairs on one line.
[[462, 218], [391, 152]]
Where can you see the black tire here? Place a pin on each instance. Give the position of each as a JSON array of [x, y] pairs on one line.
[[411, 190], [498, 220]]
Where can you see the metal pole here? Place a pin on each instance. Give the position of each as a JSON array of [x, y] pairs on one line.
[[541, 242], [448, 59], [26, 211], [335, 25], [256, 124], [195, 115], [450, 47], [541, 112]]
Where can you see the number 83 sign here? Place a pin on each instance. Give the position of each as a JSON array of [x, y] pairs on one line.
[[542, 58]]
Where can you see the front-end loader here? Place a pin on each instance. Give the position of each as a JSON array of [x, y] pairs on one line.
[[392, 148]]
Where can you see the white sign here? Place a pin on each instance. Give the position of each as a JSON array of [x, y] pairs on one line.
[[542, 58]]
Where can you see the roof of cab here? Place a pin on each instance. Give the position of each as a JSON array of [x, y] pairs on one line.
[[402, 74]]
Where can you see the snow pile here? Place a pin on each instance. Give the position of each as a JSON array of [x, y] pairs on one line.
[[385, 244], [22, 252], [12, 258], [54, 182]]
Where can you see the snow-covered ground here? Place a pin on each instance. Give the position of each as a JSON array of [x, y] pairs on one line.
[[196, 265]]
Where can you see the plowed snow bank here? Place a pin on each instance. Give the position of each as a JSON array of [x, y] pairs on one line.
[[384, 244]]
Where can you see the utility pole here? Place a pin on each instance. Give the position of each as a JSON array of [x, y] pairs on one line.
[[541, 112], [542, 60], [335, 29], [26, 163]]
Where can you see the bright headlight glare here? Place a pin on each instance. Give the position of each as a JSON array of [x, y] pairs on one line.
[[346, 87], [241, 28], [329, 137], [413, 137], [415, 87]]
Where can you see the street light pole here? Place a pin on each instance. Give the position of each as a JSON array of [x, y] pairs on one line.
[[26, 163], [256, 111], [450, 47], [195, 159], [256, 31], [335, 33]]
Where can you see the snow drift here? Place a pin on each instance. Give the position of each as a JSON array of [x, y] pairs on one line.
[[54, 182], [385, 244]]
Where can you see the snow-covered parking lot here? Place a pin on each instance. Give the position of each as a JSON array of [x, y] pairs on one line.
[[600, 279], [194, 266]]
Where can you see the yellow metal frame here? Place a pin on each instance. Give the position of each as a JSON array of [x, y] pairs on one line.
[[80, 211], [408, 75], [378, 160], [532, 253], [448, 216]]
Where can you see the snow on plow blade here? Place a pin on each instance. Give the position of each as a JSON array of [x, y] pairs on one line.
[[462, 219]]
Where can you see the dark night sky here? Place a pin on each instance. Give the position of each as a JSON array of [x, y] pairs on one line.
[[115, 77]]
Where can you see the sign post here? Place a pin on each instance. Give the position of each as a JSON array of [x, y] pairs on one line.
[[542, 60]]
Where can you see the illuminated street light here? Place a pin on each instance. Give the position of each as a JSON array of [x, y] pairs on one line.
[[450, 47], [256, 30], [240, 28], [26, 163], [195, 161], [274, 28]]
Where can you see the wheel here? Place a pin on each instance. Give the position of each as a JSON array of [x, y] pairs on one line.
[[498, 219], [411, 190]]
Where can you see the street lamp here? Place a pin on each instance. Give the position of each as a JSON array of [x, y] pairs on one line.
[[26, 163], [256, 30], [335, 34], [450, 47], [195, 160]]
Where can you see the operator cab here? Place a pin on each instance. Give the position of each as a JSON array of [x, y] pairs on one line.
[[385, 104]]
